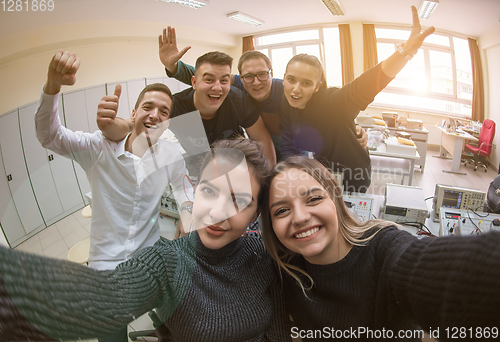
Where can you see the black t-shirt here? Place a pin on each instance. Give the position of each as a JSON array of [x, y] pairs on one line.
[[236, 112]]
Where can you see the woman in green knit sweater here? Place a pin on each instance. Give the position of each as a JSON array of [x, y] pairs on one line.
[[212, 285]]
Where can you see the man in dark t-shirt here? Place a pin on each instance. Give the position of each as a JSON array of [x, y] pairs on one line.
[[224, 111]]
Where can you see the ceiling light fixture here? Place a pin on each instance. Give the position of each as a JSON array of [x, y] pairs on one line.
[[426, 8], [189, 3], [333, 6], [245, 18]]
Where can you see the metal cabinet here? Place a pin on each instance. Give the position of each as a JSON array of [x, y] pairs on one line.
[[52, 177], [37, 186], [19, 184], [9, 218], [80, 110]]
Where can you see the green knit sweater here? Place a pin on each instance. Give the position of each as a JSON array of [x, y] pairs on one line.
[[229, 294]]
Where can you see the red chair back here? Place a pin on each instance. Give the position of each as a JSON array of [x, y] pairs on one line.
[[486, 136]]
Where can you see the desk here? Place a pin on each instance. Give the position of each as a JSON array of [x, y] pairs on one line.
[[384, 162], [419, 137], [453, 143]]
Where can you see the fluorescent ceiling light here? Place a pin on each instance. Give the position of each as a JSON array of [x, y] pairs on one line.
[[426, 8], [189, 3], [245, 18], [333, 6]]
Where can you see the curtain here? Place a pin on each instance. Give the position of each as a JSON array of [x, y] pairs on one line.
[[248, 44], [477, 82], [370, 56], [346, 53]]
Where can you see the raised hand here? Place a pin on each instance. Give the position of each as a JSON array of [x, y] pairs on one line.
[[108, 108], [416, 37], [168, 51], [62, 71], [397, 61]]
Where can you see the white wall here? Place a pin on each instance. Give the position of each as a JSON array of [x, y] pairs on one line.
[[489, 45], [109, 51]]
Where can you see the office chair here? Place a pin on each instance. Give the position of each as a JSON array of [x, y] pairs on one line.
[[484, 145]]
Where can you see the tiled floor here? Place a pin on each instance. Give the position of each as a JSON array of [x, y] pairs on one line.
[[56, 240]]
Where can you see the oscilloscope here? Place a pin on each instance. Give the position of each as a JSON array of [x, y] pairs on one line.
[[454, 197]]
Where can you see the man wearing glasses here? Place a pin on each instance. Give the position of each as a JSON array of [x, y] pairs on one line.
[[255, 80]]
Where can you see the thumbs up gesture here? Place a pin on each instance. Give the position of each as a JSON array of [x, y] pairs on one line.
[[62, 71], [108, 108]]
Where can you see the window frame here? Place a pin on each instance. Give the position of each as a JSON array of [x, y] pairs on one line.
[[426, 48], [294, 44]]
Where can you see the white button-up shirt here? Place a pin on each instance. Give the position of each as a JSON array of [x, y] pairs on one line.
[[126, 189]]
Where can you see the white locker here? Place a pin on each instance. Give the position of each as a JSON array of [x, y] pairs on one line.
[[9, 219], [75, 111], [15, 169], [134, 88], [52, 176], [75, 118], [92, 98], [171, 83], [38, 167]]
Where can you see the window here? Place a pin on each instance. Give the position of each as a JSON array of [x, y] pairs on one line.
[[438, 79], [322, 42]]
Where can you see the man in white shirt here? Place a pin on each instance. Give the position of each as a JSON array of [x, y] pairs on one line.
[[127, 177]]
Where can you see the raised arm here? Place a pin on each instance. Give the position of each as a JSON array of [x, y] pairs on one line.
[[451, 284], [396, 62], [49, 297], [114, 128], [357, 95], [62, 71], [49, 131], [170, 56]]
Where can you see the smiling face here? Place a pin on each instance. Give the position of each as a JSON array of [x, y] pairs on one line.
[[259, 90], [151, 115], [225, 202], [301, 81], [304, 217], [211, 83]]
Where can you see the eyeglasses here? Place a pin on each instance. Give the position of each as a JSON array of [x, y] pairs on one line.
[[261, 76]]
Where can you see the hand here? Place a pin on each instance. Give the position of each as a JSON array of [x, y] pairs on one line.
[[108, 108], [62, 71], [362, 136], [416, 37], [169, 54]]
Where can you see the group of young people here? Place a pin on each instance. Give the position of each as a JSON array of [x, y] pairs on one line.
[[334, 276]]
